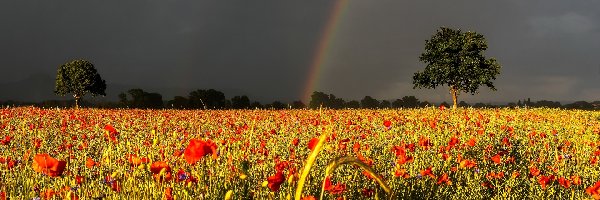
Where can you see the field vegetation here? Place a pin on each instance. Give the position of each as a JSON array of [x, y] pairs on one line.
[[261, 154]]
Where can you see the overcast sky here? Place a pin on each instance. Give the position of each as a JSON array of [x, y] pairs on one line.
[[548, 49]]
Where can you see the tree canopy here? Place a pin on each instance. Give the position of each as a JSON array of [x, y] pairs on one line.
[[79, 77], [455, 59]]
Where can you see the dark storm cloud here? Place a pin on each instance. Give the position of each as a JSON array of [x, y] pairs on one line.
[[548, 49]]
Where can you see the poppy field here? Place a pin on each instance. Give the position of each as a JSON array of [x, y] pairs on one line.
[[428, 153]]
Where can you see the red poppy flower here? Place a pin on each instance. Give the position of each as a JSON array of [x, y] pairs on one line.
[[471, 142], [37, 143], [433, 124], [89, 163], [45, 164], [467, 164], [494, 175], [159, 166], [110, 129], [401, 173], [576, 180], [453, 141], [113, 183], [564, 182], [387, 123], [308, 198], [281, 166], [5, 141], [367, 192], [516, 174], [401, 155], [135, 160], [444, 180], [594, 190], [313, 143], [506, 142], [487, 184], [334, 189], [534, 171], [427, 172], [10, 163], [424, 142], [343, 144], [295, 141], [168, 194], [497, 159], [48, 193], [198, 149], [79, 179], [275, 181], [356, 147], [545, 180]]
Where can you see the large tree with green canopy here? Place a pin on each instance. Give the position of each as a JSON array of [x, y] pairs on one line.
[[79, 77], [455, 59]]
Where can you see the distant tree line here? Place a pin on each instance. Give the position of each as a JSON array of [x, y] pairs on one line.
[[214, 99], [320, 99]]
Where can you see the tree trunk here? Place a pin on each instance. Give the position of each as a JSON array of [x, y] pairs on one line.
[[453, 92], [77, 97]]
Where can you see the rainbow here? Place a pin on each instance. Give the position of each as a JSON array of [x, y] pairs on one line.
[[323, 47]]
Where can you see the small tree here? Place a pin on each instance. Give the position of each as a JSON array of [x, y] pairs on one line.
[[455, 59], [79, 77], [369, 102], [318, 99]]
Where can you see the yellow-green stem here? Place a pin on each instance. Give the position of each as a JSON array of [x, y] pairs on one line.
[[309, 162], [334, 164]]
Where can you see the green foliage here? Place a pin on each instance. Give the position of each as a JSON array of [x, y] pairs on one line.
[[207, 99], [240, 102], [369, 102], [143, 99], [455, 59], [79, 77], [406, 102], [318, 99]]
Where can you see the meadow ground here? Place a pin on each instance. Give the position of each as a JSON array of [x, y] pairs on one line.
[[260, 154]]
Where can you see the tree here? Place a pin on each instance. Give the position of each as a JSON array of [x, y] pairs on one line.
[[298, 105], [583, 105], [410, 102], [369, 102], [385, 104], [143, 99], [179, 102], [335, 103], [276, 105], [137, 98], [352, 104], [123, 99], [79, 77], [256, 105], [207, 99], [397, 103], [153, 100], [318, 99], [455, 59], [240, 102]]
